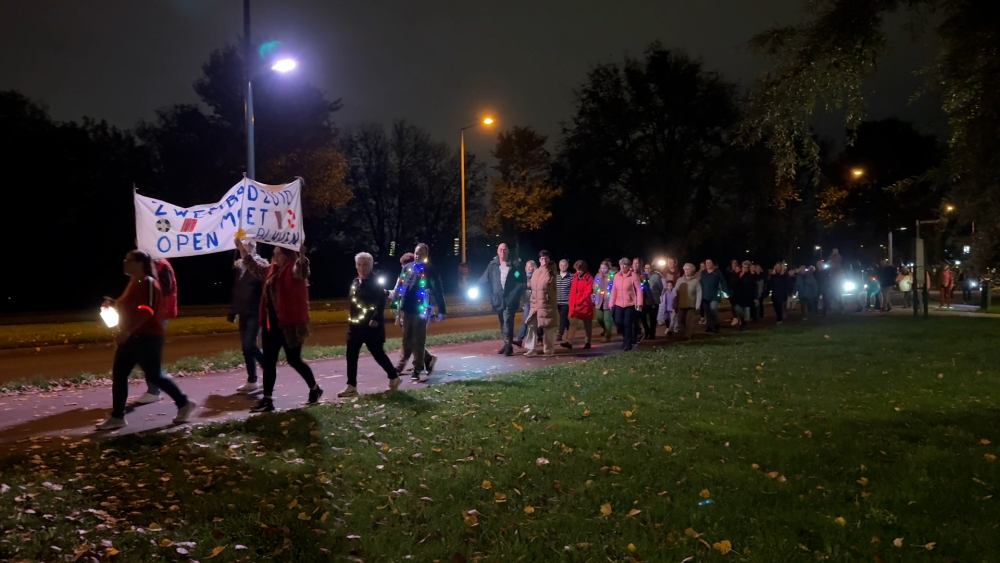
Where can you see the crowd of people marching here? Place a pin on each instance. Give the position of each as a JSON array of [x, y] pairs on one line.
[[631, 298]]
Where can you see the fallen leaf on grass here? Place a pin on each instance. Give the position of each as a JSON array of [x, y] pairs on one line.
[[166, 543], [154, 526], [517, 426], [586, 412], [606, 509], [984, 442], [668, 448], [293, 504], [754, 466], [704, 493], [691, 533], [898, 542], [634, 511], [499, 498], [529, 509], [930, 546], [111, 551], [723, 546], [304, 516], [628, 414], [324, 517], [782, 479], [773, 474], [990, 458], [840, 520], [470, 517], [487, 485], [631, 548], [542, 461], [216, 551], [863, 481]]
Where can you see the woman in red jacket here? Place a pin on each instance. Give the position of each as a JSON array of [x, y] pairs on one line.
[[284, 316], [581, 304], [140, 340]]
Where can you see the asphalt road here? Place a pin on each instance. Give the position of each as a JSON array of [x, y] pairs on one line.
[[68, 361]]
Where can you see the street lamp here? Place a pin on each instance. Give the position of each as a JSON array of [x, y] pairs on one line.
[[487, 121], [858, 172], [283, 65]]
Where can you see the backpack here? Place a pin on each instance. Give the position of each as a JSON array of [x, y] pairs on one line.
[[165, 275]]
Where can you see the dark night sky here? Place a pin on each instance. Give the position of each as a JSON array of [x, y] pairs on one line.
[[438, 63]]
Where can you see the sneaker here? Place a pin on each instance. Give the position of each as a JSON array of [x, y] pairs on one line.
[[248, 387], [566, 345], [184, 412], [352, 391], [531, 353], [586, 346], [519, 343], [415, 377], [502, 350], [263, 405], [147, 398], [112, 423], [393, 384], [734, 322], [430, 366], [314, 394], [424, 377]]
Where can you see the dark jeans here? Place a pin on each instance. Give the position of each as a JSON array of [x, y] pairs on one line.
[[376, 348], [624, 320], [274, 341], [649, 320], [249, 334], [826, 302], [711, 315], [146, 350], [760, 307], [779, 306], [523, 332], [506, 318], [563, 318]]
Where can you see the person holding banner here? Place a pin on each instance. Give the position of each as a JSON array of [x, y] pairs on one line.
[[367, 325], [140, 340], [284, 316], [245, 304]]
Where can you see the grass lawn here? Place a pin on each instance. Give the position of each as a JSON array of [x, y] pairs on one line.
[[209, 320], [858, 439]]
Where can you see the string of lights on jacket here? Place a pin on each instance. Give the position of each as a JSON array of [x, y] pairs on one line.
[[418, 269], [363, 308]]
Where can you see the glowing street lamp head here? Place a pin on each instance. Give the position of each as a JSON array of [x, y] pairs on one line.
[[858, 172], [284, 65], [949, 208], [488, 121]]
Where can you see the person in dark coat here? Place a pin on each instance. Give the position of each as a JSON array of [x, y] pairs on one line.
[[744, 289], [244, 306], [503, 280], [418, 287], [366, 325], [779, 285]]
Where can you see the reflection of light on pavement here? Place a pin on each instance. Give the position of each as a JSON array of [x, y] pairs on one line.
[[466, 357]]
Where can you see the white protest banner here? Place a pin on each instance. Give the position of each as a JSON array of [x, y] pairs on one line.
[[261, 212]]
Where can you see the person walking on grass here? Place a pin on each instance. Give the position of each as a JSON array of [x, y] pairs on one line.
[[626, 301], [418, 286], [602, 299], [762, 289], [563, 281], [687, 298], [713, 285], [806, 288], [666, 314], [140, 340], [503, 280], [366, 325], [284, 314], [779, 284], [581, 305], [652, 288], [702, 267], [543, 315], [529, 270], [244, 307], [165, 276], [744, 292]]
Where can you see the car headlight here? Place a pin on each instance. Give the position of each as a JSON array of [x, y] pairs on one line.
[[849, 286], [473, 293], [974, 284]]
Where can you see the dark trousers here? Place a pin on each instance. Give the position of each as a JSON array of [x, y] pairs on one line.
[[649, 319], [563, 318], [523, 332], [760, 307], [624, 320], [779, 306], [274, 341], [376, 347], [506, 318], [146, 350], [249, 335], [826, 302], [753, 309]]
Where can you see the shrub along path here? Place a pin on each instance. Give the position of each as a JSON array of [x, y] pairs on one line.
[[848, 439]]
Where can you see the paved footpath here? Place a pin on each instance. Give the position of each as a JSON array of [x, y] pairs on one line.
[[36, 419]]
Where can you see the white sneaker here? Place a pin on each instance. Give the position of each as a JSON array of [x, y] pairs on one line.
[[394, 383], [247, 387], [112, 423], [352, 391], [735, 322], [147, 398], [531, 353], [184, 412]]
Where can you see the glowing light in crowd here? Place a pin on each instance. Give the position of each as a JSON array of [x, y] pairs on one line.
[[473, 293], [109, 316], [284, 65]]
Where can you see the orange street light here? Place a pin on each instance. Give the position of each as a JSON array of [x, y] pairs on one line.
[[486, 121], [949, 208], [858, 172]]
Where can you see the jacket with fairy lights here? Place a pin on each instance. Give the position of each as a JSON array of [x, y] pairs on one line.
[[417, 286], [367, 301]]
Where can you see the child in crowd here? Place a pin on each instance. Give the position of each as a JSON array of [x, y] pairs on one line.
[[666, 315]]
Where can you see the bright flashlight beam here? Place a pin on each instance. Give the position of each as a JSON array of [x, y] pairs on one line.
[[473, 293], [284, 65]]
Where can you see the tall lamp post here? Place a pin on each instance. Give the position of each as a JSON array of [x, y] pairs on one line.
[[283, 65], [461, 144]]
